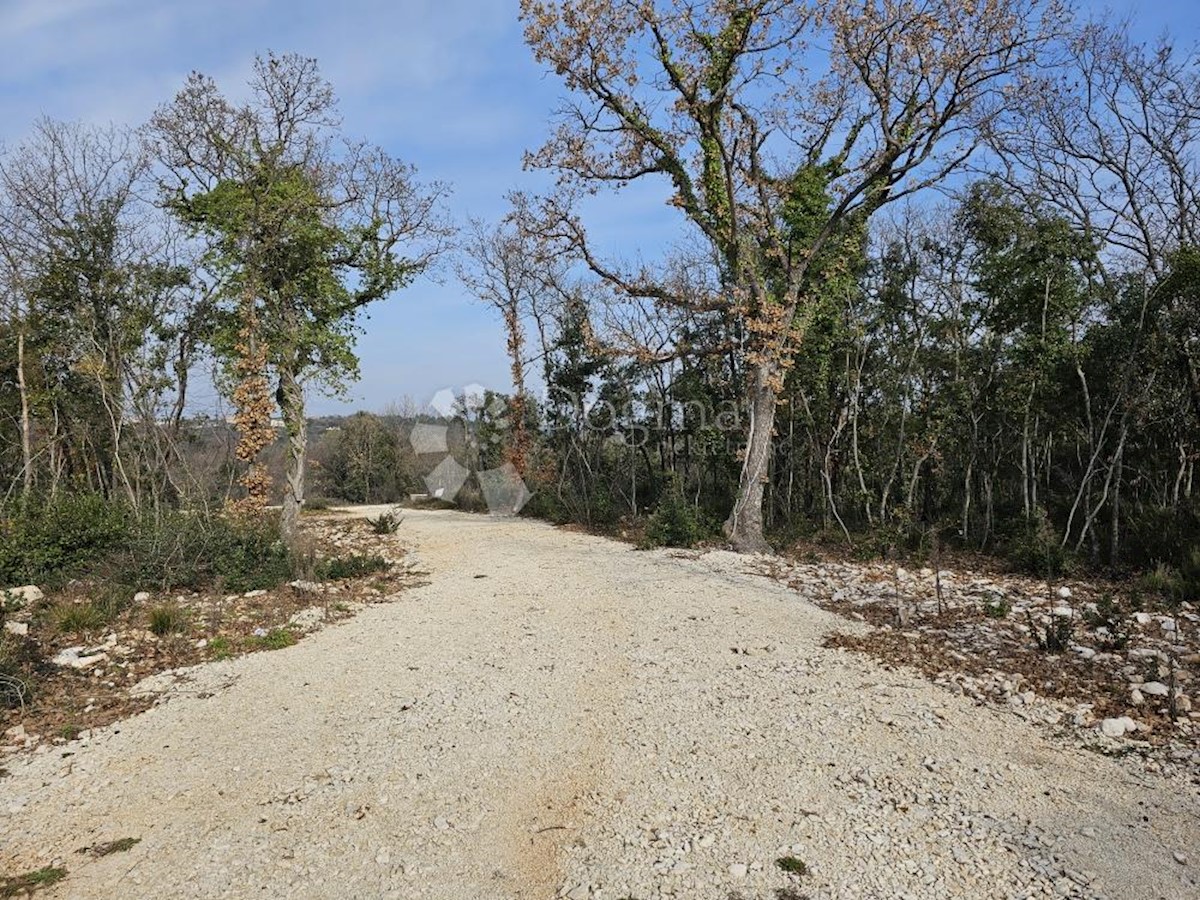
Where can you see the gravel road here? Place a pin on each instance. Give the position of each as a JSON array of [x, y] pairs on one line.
[[554, 715]]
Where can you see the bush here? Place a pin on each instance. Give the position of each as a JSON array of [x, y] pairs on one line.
[[251, 557], [79, 618], [1176, 585], [169, 618], [350, 567], [674, 522], [1033, 547], [47, 540], [275, 639], [1055, 636], [194, 549], [385, 523]]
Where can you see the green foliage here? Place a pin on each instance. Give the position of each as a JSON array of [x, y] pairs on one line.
[[675, 522], [1032, 546], [24, 885], [47, 540], [80, 618], [1176, 584], [275, 639], [385, 523], [1054, 636], [252, 557], [355, 566], [192, 549], [997, 609], [220, 647], [365, 461], [792, 865], [107, 848], [1109, 620], [168, 618]]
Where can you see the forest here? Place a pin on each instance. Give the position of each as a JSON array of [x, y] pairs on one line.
[[935, 284]]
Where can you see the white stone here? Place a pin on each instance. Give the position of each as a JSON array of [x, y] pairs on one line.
[[738, 870], [1064, 592], [1135, 697], [19, 596], [75, 658], [1168, 624], [1155, 689], [1115, 728], [1064, 611], [18, 628], [141, 597], [1142, 618]]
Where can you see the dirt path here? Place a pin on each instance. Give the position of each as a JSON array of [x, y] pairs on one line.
[[556, 714]]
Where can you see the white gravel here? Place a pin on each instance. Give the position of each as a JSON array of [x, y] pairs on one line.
[[588, 721]]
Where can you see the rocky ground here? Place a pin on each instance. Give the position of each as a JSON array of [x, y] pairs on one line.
[[1120, 680], [88, 676], [558, 715]]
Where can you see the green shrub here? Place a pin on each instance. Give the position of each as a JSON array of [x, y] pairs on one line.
[[354, 566], [252, 557], [997, 609], [275, 639], [47, 540], [385, 523], [24, 885], [169, 618], [1055, 636], [1032, 546], [675, 522], [792, 865], [317, 504], [193, 549], [79, 618]]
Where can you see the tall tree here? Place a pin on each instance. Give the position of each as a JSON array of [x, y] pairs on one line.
[[304, 229], [780, 127]]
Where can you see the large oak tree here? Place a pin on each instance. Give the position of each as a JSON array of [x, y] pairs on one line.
[[780, 126]]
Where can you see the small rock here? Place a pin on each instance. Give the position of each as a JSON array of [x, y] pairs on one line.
[[1155, 689], [17, 628], [141, 597], [1064, 593], [1142, 618], [76, 658], [738, 870], [1115, 728], [16, 597], [1180, 858], [1135, 697]]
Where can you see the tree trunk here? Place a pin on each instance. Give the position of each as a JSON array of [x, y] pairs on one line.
[[744, 527], [291, 403], [26, 437]]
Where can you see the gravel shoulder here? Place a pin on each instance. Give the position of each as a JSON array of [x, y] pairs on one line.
[[555, 714]]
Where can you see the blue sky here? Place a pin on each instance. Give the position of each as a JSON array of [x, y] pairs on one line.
[[445, 84]]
